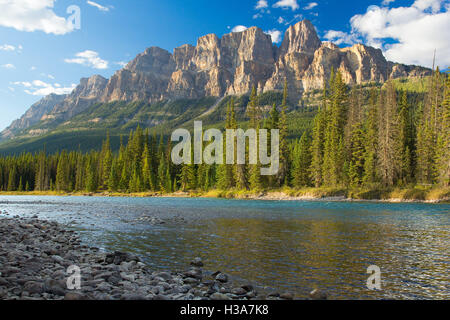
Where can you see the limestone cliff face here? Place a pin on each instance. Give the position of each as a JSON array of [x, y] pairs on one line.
[[82, 97], [232, 65], [33, 115]]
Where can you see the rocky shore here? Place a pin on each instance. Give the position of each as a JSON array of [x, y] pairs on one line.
[[39, 260]]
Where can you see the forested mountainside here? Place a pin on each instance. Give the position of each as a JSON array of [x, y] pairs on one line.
[[373, 138]]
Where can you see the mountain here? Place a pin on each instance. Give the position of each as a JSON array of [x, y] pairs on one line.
[[33, 115], [217, 67]]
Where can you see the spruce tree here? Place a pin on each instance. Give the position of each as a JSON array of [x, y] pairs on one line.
[[301, 162]]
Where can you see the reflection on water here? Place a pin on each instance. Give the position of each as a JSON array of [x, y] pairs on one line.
[[283, 246]]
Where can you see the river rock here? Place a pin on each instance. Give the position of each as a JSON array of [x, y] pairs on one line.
[[239, 291], [54, 287], [222, 277], [197, 262], [287, 296], [76, 296], [318, 295], [219, 296], [34, 287]]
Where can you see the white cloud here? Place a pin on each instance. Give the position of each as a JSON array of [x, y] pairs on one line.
[[257, 16], [122, 63], [8, 66], [275, 34], [261, 4], [286, 4], [98, 6], [312, 5], [416, 30], [41, 88], [239, 28], [33, 15], [26, 84], [406, 35], [89, 58], [7, 47], [281, 20], [33, 68], [339, 37], [47, 76]]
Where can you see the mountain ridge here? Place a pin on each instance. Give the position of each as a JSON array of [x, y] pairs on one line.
[[218, 67]]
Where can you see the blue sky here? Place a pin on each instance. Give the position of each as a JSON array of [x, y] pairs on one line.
[[41, 53]]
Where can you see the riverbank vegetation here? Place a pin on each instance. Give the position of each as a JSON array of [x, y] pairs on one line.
[[382, 143]]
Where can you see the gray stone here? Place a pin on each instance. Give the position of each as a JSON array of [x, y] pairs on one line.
[[34, 287], [197, 262], [222, 277], [318, 295], [219, 296]]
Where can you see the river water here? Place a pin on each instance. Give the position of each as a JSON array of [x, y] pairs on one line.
[[293, 246]]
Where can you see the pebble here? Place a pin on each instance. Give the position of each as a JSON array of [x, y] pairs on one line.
[[222, 277], [35, 254]]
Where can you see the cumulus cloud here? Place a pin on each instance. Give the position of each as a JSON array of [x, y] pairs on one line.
[[417, 31], [8, 66], [7, 47], [121, 63], [312, 5], [98, 6], [33, 15], [261, 4], [286, 4], [239, 28], [41, 88], [89, 58], [405, 34], [339, 37], [276, 35]]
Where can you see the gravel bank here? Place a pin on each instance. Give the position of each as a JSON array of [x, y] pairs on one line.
[[37, 259]]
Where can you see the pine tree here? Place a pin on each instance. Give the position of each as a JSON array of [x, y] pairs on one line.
[[442, 155], [406, 140], [282, 177], [107, 161], [334, 159], [12, 179], [318, 143], [301, 162], [113, 179], [62, 175], [91, 178], [371, 142], [389, 157], [356, 148]]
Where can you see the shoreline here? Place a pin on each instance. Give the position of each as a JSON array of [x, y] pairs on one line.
[[37, 256], [406, 195]]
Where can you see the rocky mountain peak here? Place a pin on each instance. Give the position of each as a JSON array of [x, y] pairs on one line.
[[230, 65], [301, 37], [154, 60]]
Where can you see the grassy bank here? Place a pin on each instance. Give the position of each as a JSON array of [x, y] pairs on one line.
[[416, 193]]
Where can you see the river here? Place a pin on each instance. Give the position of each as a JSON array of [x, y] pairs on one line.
[[293, 246]]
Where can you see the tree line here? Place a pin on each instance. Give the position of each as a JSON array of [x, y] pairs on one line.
[[379, 142]]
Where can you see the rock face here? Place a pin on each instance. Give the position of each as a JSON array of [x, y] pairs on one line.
[[81, 98], [33, 115], [230, 65]]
